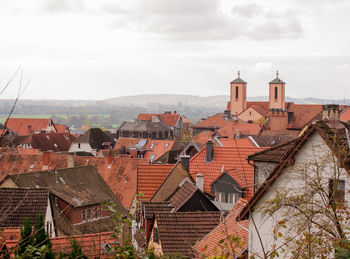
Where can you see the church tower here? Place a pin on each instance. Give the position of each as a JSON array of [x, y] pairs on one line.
[[277, 93], [238, 95]]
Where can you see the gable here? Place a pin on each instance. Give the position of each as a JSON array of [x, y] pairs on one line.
[[250, 114], [226, 183]]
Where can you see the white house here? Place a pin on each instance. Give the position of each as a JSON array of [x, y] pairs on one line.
[[304, 199]]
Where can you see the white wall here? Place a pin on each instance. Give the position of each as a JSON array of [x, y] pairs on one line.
[[84, 147], [292, 179]]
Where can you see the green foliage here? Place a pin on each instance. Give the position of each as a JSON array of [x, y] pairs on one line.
[[343, 250], [41, 238], [77, 251], [26, 236]]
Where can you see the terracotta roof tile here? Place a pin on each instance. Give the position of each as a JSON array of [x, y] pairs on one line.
[[150, 177], [210, 245], [169, 119], [92, 244], [218, 121], [60, 128], [21, 125], [230, 159], [182, 194], [232, 129], [18, 203], [345, 115], [179, 231]]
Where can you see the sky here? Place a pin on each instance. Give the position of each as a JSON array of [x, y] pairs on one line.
[[93, 50]]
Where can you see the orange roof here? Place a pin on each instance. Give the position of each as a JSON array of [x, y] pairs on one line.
[[210, 245], [345, 115], [61, 128], [156, 147], [120, 174], [242, 142], [232, 160], [169, 119], [21, 126], [91, 244], [150, 177], [216, 121], [232, 129]]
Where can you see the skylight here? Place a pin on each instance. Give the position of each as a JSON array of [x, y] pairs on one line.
[[152, 158], [151, 147]]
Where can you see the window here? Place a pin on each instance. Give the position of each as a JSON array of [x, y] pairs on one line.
[[151, 147], [155, 235], [166, 134], [166, 145], [336, 190], [160, 135], [78, 145], [83, 215], [144, 134], [236, 92], [220, 196], [154, 135], [152, 158], [276, 92], [231, 198]]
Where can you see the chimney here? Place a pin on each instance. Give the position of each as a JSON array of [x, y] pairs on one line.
[[330, 111], [29, 128], [110, 159], [46, 158], [210, 151], [70, 161], [200, 181], [185, 161]]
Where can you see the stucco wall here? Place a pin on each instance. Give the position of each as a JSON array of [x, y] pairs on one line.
[[292, 179], [261, 171]]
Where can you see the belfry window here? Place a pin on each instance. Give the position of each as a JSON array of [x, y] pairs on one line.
[[276, 92], [236, 92]]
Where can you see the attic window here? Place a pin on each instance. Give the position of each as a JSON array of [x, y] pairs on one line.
[[155, 235], [152, 157], [151, 147], [66, 137], [47, 136], [55, 144], [31, 166], [166, 145]]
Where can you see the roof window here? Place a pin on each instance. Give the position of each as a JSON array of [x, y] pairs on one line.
[[166, 145], [151, 147], [152, 157]]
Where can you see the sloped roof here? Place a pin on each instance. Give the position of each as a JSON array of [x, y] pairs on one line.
[[210, 245], [95, 137], [202, 138], [47, 141], [277, 81], [60, 128], [169, 119], [333, 132], [78, 186], [232, 160], [345, 114], [143, 126], [119, 173], [182, 194], [20, 125], [238, 80], [179, 231], [92, 245], [150, 177], [232, 129], [169, 157], [275, 154], [269, 141], [150, 208], [18, 203], [217, 121]]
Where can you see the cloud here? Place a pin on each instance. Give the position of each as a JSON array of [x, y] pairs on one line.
[[262, 67], [247, 9], [343, 67]]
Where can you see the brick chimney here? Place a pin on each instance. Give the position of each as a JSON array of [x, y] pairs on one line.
[[185, 161]]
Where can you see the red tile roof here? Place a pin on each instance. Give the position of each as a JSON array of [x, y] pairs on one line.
[[91, 244], [210, 245], [216, 121], [345, 115], [20, 125], [150, 177], [61, 128], [169, 119], [232, 129], [159, 147], [230, 159], [119, 173]]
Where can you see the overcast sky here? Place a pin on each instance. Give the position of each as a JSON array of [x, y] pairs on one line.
[[97, 49]]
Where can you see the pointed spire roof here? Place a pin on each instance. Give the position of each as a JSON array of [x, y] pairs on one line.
[[238, 80], [277, 80]]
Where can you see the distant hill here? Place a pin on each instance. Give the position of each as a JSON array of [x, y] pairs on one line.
[[217, 101]]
